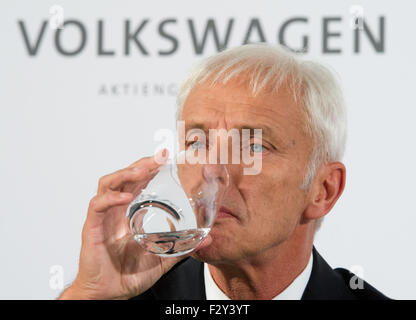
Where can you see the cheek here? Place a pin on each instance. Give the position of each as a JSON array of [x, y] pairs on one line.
[[274, 198]]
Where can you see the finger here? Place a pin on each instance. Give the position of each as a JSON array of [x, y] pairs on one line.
[[109, 199], [100, 204], [117, 179], [141, 169], [153, 162]]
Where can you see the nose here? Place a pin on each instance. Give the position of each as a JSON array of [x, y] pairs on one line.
[[225, 149], [216, 173]]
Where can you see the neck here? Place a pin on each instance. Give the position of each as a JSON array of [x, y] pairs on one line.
[[266, 275]]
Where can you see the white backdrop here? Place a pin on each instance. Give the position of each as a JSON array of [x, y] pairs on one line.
[[68, 120]]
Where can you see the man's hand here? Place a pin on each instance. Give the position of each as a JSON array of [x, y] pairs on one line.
[[112, 265]]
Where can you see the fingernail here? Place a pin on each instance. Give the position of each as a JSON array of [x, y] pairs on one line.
[[162, 153], [161, 156]]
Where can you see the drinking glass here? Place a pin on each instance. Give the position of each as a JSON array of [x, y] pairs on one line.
[[177, 209]]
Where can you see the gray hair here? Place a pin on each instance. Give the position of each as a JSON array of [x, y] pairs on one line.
[[313, 85]]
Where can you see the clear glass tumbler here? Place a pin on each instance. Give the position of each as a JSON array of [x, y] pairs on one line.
[[176, 210]]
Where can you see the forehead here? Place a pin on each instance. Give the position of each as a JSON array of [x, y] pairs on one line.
[[233, 105]]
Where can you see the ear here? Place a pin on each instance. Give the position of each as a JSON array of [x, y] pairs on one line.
[[327, 187]]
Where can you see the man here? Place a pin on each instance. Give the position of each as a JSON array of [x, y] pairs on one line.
[[261, 244]]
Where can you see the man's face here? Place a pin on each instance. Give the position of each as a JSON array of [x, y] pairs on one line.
[[265, 207]]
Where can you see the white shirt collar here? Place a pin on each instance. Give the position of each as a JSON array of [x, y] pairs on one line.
[[293, 292]]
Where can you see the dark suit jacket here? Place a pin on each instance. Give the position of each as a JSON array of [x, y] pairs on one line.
[[185, 281]]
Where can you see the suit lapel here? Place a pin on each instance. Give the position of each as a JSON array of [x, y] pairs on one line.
[[324, 283]]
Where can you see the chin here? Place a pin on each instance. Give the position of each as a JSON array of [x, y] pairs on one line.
[[215, 253]]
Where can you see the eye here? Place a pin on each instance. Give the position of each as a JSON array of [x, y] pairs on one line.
[[196, 144], [257, 147]]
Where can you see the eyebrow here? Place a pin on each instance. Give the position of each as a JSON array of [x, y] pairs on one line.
[[266, 130]]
